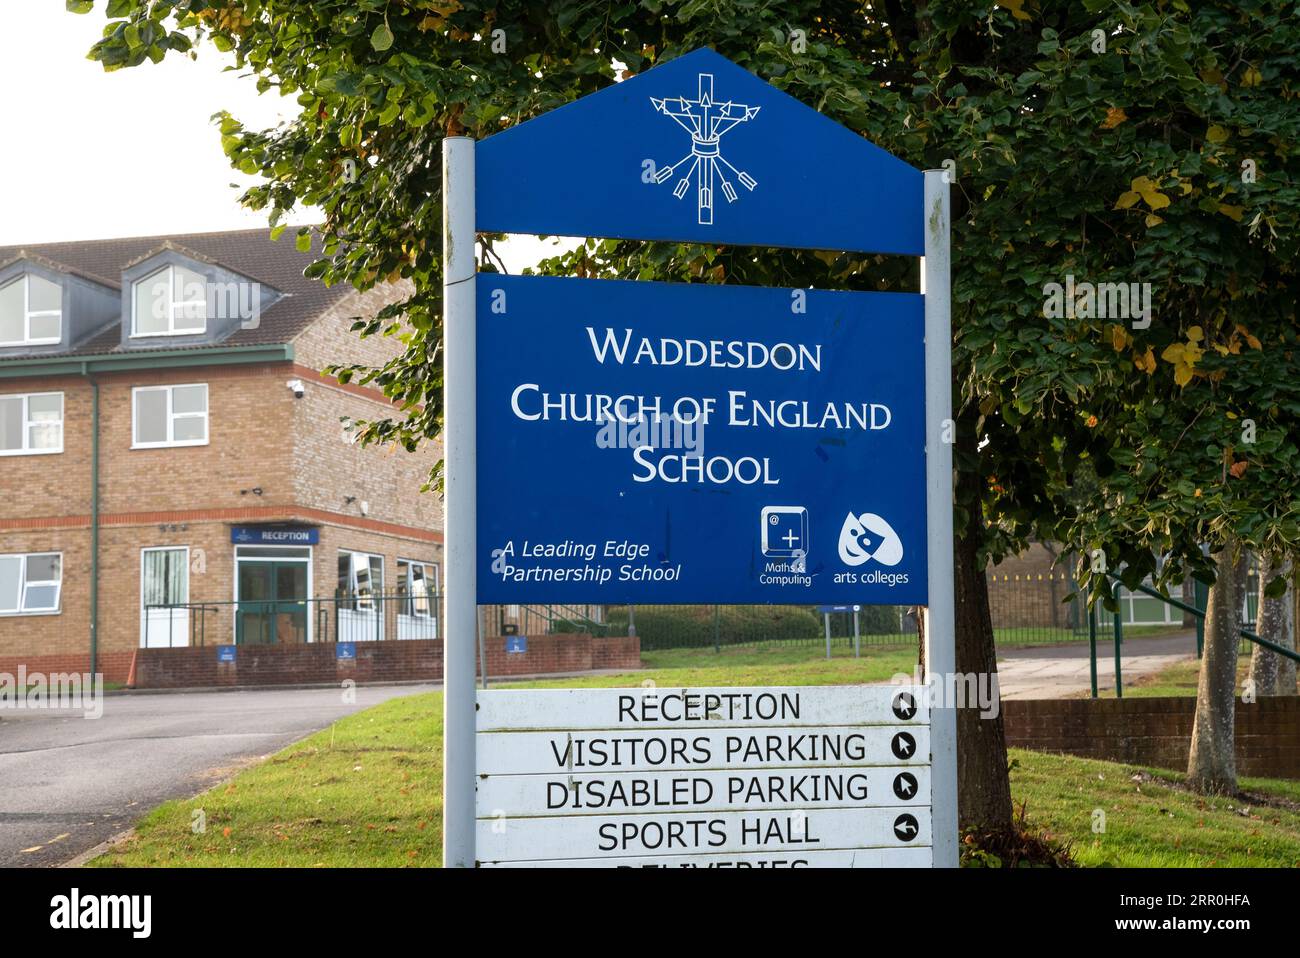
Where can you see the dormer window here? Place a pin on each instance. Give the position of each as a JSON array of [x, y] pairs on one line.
[[170, 302], [31, 312]]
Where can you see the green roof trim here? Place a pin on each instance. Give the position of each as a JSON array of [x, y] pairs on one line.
[[153, 359]]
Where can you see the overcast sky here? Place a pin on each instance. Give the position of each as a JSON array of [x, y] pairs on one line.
[[92, 155]]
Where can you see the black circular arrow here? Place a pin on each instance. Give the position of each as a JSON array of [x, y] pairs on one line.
[[905, 827], [904, 705], [903, 745], [905, 786]]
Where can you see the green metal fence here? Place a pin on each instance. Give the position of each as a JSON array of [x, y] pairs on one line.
[[1098, 619], [727, 626]]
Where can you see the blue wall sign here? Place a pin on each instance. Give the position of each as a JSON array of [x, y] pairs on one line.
[[698, 149], [516, 643], [668, 443], [345, 650], [272, 535], [226, 653]]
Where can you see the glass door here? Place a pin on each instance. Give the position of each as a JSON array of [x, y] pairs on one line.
[[255, 600], [290, 622], [271, 602]]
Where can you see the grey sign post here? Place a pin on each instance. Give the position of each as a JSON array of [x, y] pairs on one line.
[[939, 615], [460, 526]]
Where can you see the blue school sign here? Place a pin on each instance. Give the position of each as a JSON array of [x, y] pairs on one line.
[[781, 454], [658, 442], [633, 442], [698, 150]]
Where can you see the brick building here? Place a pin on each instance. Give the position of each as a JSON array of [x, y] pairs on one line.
[[175, 468]]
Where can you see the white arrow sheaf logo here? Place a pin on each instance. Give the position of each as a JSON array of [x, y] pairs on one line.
[[706, 120], [868, 536]]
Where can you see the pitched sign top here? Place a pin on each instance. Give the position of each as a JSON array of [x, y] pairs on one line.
[[698, 150]]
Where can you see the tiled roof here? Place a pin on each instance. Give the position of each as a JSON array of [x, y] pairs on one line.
[[250, 253]]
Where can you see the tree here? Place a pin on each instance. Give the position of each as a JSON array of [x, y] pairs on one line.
[[1211, 761], [1270, 673], [1199, 440], [1065, 160], [1134, 142]]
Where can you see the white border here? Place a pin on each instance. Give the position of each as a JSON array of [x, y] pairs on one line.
[[22, 584], [171, 330], [27, 424], [171, 417], [25, 278]]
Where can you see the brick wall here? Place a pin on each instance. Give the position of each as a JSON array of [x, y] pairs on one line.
[[56, 483], [328, 466], [374, 662], [330, 338], [1155, 731], [249, 444]]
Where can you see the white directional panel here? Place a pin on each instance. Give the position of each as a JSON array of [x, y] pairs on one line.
[[758, 777]]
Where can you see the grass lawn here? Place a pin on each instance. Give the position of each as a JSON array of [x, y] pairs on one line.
[[1150, 822], [762, 665], [368, 790]]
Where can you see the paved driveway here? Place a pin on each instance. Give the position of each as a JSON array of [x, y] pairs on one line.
[[1060, 671], [68, 783]]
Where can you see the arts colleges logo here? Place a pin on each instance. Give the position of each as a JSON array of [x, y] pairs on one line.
[[867, 536], [707, 121]]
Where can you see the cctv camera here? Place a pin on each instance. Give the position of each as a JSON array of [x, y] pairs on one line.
[[297, 387]]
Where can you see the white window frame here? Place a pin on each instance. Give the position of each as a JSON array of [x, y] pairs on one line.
[[431, 584], [371, 604], [27, 340], [28, 422], [171, 442], [147, 549], [24, 585], [172, 305]]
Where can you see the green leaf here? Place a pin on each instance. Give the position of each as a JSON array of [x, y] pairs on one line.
[[382, 38], [80, 6]]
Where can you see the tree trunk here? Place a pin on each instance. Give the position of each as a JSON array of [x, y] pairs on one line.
[[983, 785], [1286, 676], [1273, 623], [1212, 763]]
